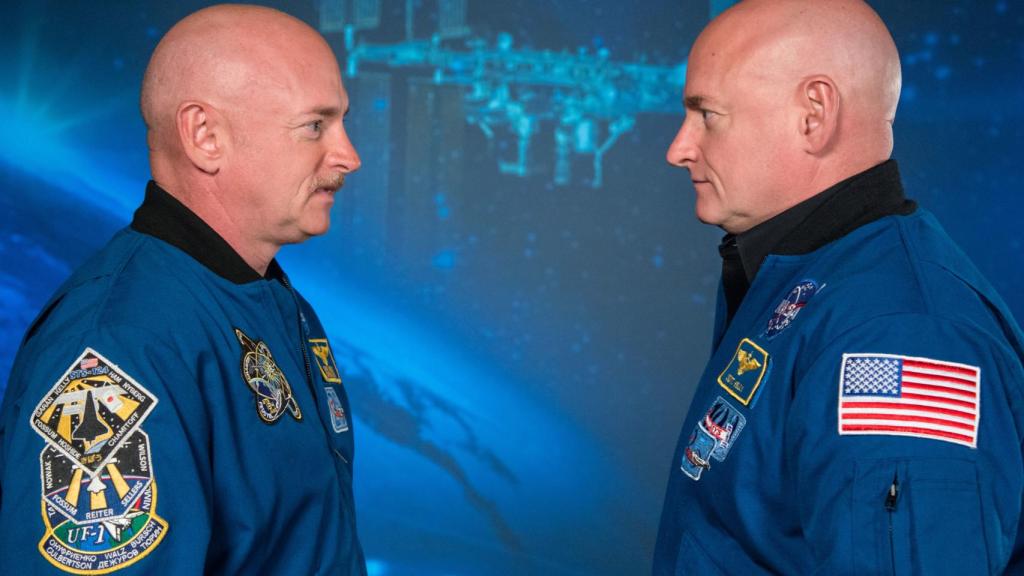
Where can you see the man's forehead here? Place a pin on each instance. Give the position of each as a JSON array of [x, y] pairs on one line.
[[703, 85]]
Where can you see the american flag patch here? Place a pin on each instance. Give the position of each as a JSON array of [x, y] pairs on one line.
[[905, 396]]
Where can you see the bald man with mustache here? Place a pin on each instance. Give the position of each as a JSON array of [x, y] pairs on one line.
[[176, 407], [862, 409]]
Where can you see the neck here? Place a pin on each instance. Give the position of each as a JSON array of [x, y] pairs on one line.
[[205, 201]]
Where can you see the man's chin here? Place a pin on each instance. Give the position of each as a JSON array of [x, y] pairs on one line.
[[707, 216], [318, 228]]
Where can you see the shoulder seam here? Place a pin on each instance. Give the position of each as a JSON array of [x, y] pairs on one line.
[[112, 277], [910, 252], [1000, 348]]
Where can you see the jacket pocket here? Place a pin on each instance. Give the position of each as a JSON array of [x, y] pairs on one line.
[[917, 517]]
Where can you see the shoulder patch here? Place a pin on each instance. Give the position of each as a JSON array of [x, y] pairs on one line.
[[892, 395], [96, 471]]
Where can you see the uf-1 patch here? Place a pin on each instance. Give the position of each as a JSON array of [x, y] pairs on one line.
[[96, 472], [266, 380], [747, 370], [790, 306], [338, 419], [325, 360], [712, 437], [100, 524]]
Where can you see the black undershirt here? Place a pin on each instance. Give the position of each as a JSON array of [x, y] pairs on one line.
[[163, 216], [823, 218]]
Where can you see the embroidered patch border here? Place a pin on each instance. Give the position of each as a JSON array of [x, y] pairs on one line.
[[748, 356]]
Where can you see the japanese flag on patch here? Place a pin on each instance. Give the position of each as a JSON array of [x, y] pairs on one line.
[[904, 396]]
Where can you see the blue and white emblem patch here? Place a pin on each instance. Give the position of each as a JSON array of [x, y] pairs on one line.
[[712, 437], [338, 419], [790, 306]]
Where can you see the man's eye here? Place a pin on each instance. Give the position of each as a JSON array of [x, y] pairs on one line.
[[707, 114], [315, 126]]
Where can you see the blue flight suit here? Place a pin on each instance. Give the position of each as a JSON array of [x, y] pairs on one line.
[[171, 412], [862, 413]]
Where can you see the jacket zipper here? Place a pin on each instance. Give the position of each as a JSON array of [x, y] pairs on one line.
[[891, 498], [305, 359], [302, 332]]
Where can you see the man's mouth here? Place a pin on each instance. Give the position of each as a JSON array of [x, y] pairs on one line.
[[330, 187]]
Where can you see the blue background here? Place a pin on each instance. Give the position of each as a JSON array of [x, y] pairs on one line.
[[520, 352]]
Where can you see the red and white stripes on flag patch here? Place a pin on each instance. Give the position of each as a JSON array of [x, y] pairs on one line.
[[904, 396]]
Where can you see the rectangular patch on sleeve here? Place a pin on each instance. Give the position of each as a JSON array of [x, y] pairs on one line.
[[886, 394]]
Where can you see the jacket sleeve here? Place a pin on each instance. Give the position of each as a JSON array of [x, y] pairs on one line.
[[904, 438], [104, 462]]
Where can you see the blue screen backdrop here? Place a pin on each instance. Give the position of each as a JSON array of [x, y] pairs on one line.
[[518, 294]]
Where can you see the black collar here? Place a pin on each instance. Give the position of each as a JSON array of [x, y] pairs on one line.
[[163, 216], [823, 218]]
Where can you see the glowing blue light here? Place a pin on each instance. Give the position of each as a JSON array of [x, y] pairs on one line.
[[376, 568]]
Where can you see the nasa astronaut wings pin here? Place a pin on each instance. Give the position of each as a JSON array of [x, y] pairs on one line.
[[98, 490]]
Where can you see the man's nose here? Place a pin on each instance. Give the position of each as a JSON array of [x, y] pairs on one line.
[[342, 154], [683, 150]]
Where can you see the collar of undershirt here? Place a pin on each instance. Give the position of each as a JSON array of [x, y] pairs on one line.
[[163, 216], [825, 217]]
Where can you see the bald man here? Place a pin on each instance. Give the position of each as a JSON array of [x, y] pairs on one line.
[[861, 412], [176, 408]]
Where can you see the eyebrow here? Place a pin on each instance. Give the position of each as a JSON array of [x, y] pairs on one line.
[[326, 111], [694, 102]]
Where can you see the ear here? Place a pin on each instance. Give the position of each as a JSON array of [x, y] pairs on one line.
[[819, 120], [203, 135]]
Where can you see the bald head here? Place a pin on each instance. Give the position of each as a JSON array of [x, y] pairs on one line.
[[244, 107], [781, 42], [784, 98], [220, 55]]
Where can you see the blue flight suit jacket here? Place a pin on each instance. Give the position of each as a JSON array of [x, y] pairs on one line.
[[161, 418], [861, 414]]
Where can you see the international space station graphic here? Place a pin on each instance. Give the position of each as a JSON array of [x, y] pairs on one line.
[[581, 101]]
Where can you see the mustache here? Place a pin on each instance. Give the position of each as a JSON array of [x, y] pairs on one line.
[[331, 182]]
